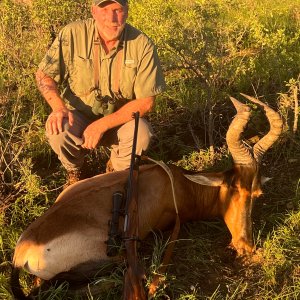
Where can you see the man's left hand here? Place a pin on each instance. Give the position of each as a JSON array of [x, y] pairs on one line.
[[92, 135]]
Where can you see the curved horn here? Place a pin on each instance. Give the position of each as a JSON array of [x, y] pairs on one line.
[[271, 137], [240, 154]]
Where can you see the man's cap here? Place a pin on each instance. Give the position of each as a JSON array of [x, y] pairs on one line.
[[121, 2]]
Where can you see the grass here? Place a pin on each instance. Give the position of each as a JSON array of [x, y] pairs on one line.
[[202, 267]]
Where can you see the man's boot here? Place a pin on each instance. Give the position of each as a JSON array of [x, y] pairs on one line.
[[109, 167], [73, 176]]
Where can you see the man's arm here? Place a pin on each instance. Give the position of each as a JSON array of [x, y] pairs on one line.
[[94, 132], [49, 90]]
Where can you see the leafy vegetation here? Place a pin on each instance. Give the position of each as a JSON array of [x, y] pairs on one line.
[[209, 49]]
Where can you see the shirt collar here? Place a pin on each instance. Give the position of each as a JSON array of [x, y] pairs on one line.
[[119, 44]]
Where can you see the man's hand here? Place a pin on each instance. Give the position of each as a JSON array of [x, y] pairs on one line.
[[93, 134], [55, 120], [50, 92]]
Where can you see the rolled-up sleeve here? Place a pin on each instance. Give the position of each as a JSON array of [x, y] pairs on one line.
[[149, 78], [53, 63]]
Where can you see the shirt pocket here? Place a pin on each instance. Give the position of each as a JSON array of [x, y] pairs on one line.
[[128, 81], [81, 72]]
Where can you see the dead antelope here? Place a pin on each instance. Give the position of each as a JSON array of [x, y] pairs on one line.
[[68, 241]]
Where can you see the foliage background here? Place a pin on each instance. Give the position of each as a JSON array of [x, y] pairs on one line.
[[209, 49]]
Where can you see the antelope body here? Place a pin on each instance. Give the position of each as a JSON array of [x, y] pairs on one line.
[[68, 241]]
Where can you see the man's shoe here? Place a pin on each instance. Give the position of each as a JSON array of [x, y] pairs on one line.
[[73, 177], [109, 167]]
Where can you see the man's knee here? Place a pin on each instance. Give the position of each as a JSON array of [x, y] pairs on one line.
[[145, 134], [65, 140], [56, 141], [126, 133]]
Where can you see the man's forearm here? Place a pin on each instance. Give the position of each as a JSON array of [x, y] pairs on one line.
[[94, 132], [49, 90], [124, 114]]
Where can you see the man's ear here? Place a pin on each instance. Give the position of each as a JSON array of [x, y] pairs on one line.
[[127, 8], [93, 7]]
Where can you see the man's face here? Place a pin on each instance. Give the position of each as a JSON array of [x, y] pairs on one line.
[[110, 18]]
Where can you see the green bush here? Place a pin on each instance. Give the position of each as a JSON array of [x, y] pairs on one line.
[[227, 46]]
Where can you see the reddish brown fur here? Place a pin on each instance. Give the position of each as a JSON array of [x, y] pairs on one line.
[[84, 210]]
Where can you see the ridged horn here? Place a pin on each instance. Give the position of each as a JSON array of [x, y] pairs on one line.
[[276, 125], [240, 154]]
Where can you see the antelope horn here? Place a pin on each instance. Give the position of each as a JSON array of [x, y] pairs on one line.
[[240, 154], [271, 137]]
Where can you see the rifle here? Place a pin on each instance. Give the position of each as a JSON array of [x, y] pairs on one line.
[[133, 279], [114, 241]]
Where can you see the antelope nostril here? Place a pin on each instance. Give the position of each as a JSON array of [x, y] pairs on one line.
[[244, 247]]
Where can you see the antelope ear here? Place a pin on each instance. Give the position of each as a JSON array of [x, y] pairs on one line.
[[264, 179], [212, 179]]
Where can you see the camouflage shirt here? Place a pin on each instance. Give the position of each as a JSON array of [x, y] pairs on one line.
[[70, 62]]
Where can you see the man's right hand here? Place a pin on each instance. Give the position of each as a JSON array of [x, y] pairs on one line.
[[48, 88], [55, 120]]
